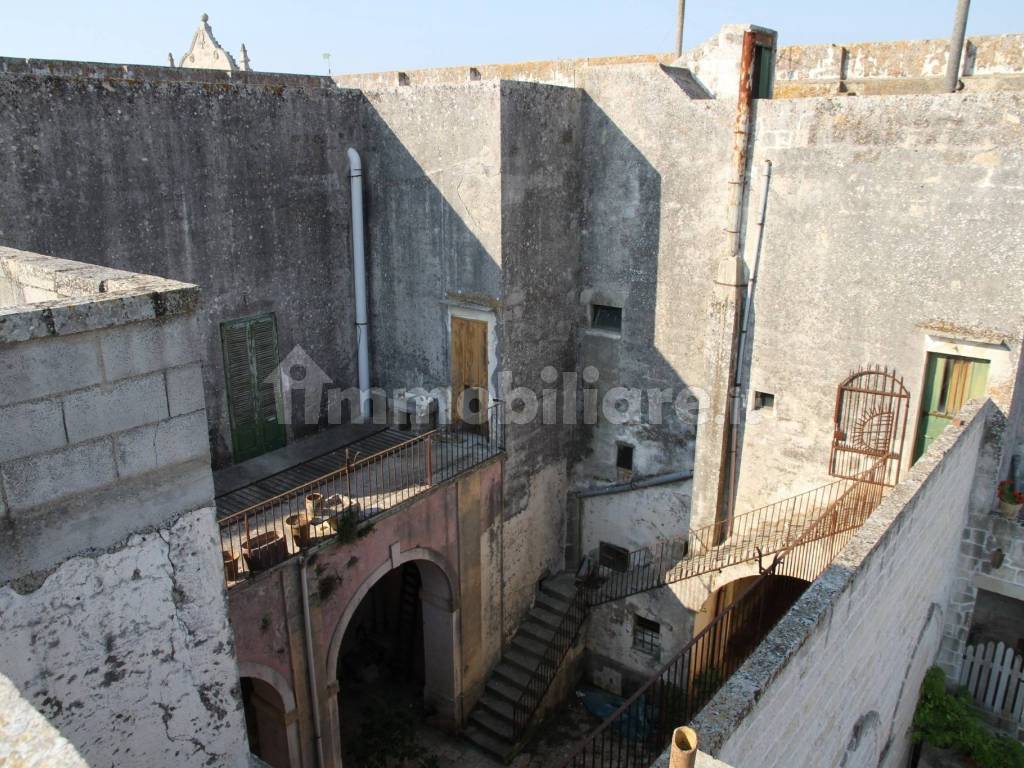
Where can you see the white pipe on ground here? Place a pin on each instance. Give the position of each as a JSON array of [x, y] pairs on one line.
[[355, 175]]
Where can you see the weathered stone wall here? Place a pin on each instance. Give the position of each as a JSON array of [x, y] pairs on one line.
[[129, 654], [836, 682], [540, 236], [113, 622], [891, 231], [237, 184]]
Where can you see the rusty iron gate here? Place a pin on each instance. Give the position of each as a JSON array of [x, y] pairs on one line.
[[870, 425]]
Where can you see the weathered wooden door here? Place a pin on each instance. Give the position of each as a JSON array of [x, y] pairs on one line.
[[950, 381], [250, 357], [469, 371]]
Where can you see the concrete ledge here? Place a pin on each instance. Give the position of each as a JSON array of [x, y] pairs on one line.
[[49, 297]]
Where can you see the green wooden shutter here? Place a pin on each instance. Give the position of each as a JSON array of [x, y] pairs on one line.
[[250, 357], [263, 334], [950, 381]]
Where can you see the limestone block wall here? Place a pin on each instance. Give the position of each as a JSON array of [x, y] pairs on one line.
[[836, 682], [113, 620]]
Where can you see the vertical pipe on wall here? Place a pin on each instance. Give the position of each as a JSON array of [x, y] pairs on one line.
[[744, 334], [680, 17], [956, 46], [355, 174], [314, 698]]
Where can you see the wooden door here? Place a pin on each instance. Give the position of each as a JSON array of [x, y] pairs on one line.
[[469, 371], [950, 381]]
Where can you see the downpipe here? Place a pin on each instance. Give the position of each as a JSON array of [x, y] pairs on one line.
[[744, 334], [314, 698], [355, 172]]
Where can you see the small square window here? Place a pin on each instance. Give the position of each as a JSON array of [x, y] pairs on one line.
[[606, 318], [646, 635], [624, 462], [764, 400], [612, 557]]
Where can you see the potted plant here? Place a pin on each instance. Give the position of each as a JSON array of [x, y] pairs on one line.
[[1010, 501], [298, 525], [264, 550]]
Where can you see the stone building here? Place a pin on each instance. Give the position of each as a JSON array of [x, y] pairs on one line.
[[489, 382]]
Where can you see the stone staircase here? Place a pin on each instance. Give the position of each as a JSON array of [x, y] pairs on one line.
[[491, 725]]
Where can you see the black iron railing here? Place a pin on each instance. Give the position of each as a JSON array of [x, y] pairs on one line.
[[763, 531], [543, 675], [640, 730], [337, 504]]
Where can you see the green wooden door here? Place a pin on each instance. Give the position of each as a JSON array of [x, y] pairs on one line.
[[250, 357], [950, 381]]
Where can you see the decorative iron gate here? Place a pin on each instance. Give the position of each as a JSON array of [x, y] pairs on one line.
[[870, 424]]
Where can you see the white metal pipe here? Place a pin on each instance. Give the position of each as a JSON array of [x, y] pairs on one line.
[[355, 174]]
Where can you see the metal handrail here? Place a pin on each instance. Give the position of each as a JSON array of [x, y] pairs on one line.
[[681, 687], [280, 527]]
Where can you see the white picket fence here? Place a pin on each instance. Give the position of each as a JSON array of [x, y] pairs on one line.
[[994, 676]]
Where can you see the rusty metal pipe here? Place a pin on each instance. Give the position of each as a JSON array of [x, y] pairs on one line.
[[680, 17], [956, 46]]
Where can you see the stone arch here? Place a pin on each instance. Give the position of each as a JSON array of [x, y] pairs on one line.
[[441, 637], [280, 684]]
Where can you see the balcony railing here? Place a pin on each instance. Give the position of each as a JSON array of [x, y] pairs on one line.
[[639, 730], [337, 505]]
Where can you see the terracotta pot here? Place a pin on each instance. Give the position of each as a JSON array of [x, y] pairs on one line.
[[264, 550], [230, 565], [314, 502], [1009, 510], [298, 525], [684, 748]]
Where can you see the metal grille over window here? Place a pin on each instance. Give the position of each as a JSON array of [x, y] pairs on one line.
[[646, 635]]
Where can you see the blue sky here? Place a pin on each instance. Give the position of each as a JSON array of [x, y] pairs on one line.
[[367, 35]]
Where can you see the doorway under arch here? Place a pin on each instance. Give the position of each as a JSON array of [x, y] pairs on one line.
[[266, 722], [778, 596], [396, 660]]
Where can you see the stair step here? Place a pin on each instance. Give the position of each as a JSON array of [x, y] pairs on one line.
[[496, 725], [512, 674], [562, 586], [529, 645], [488, 742], [498, 705], [503, 689], [525, 661], [542, 633], [551, 604], [548, 618]]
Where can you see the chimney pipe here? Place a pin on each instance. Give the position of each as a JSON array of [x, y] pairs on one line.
[[956, 46]]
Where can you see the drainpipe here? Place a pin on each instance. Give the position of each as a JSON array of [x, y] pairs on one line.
[[636, 485], [314, 698], [956, 46], [355, 174], [679, 28], [731, 268], [737, 384]]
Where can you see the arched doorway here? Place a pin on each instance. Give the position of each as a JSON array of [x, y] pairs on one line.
[[395, 662], [266, 722], [738, 640]]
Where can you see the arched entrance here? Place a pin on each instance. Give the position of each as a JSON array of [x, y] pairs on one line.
[[395, 660], [738, 640], [266, 722]]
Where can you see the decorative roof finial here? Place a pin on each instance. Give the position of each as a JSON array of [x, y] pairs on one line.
[[204, 18], [170, 60], [244, 60]]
